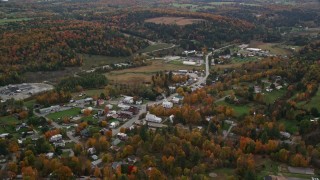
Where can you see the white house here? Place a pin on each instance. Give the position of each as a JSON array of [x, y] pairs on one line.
[[128, 100], [123, 106], [114, 124], [167, 104], [56, 137], [153, 118]]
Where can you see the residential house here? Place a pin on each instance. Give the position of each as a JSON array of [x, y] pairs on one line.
[[114, 124], [167, 104], [96, 163], [153, 118], [128, 100]]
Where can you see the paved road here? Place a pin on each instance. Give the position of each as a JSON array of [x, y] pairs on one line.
[[56, 125]]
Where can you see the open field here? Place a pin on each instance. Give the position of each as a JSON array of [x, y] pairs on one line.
[[238, 110], [314, 102], [266, 165], [144, 73], [51, 76], [66, 113], [270, 97], [91, 93], [180, 21], [290, 125], [90, 61], [8, 120], [274, 48], [155, 47], [4, 21]]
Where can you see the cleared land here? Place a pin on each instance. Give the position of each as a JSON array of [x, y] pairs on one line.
[[5, 21], [144, 73], [90, 61], [239, 110], [274, 48], [180, 21], [155, 47]]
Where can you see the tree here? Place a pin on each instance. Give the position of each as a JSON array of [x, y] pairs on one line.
[[29, 173], [64, 173], [97, 172]]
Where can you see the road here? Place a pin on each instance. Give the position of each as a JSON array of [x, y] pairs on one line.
[[56, 125]]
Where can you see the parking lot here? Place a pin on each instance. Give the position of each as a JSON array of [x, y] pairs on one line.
[[23, 91]]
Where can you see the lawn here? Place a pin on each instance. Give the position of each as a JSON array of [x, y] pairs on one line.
[[29, 104], [290, 125], [270, 97], [5, 21], [239, 110], [66, 113], [90, 61], [155, 47]]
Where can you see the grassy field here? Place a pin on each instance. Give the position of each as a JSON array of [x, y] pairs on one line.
[[270, 97], [144, 73], [5, 21], [91, 92], [29, 104], [155, 47], [66, 113], [90, 61], [290, 125], [8, 120], [238, 110], [246, 59], [274, 48], [315, 102]]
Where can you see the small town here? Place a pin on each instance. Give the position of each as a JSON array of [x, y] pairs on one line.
[[160, 90]]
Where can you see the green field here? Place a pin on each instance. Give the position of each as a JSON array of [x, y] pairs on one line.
[[245, 59], [155, 47], [291, 125], [91, 92], [66, 113], [29, 104], [90, 61], [314, 102], [5, 21], [8, 120], [238, 110], [270, 97]]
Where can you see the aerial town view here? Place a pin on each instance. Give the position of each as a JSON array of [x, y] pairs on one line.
[[160, 90]]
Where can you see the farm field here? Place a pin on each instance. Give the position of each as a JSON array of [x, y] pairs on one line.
[[144, 73], [180, 21]]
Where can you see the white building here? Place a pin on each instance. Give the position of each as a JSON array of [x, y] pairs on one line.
[[153, 118], [128, 100], [114, 124], [167, 104], [56, 137], [190, 63], [254, 49]]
